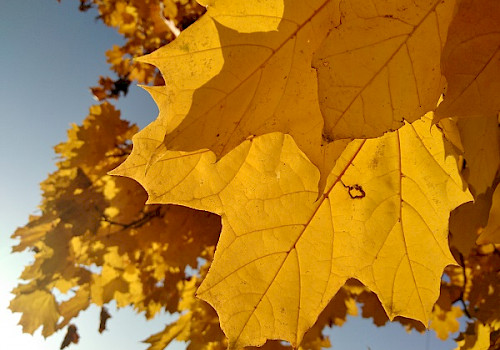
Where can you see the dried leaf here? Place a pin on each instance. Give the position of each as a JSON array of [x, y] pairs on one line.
[[70, 337], [103, 318]]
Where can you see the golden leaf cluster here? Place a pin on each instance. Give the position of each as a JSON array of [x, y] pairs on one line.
[[143, 24], [90, 219], [327, 148]]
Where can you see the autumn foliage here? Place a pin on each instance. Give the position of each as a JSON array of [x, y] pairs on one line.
[[308, 157]]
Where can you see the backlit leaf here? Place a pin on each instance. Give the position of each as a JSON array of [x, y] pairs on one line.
[[232, 85], [72, 307], [245, 79], [445, 316], [265, 108], [34, 231], [446, 322], [89, 144], [476, 337], [471, 61], [381, 66], [161, 340], [38, 308], [481, 141], [379, 226]]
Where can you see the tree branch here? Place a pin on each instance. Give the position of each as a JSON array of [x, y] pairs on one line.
[[169, 23], [461, 298], [136, 223]]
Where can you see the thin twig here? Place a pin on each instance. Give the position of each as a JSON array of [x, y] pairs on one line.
[[461, 298], [118, 155], [169, 23], [137, 223]]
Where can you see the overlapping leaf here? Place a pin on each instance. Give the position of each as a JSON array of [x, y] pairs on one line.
[[445, 316], [381, 65], [483, 286], [91, 145], [231, 85], [466, 222], [471, 61], [317, 70], [491, 233], [476, 337], [71, 308], [379, 226], [476, 286], [480, 138], [199, 324], [236, 73]]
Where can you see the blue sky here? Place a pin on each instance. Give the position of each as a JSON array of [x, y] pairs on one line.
[[50, 54]]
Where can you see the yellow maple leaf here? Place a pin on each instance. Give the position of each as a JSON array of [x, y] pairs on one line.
[[99, 135], [251, 74], [258, 16], [476, 337], [381, 66], [471, 61], [198, 325], [446, 322], [257, 95], [124, 17], [33, 232], [38, 307], [284, 253], [445, 316], [180, 328], [72, 307], [233, 84]]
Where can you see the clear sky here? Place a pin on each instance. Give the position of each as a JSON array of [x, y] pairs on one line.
[[50, 53]]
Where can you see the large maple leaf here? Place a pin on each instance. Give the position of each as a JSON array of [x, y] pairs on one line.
[[318, 70], [283, 253]]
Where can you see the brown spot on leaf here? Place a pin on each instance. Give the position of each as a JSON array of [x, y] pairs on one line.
[[356, 191]]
